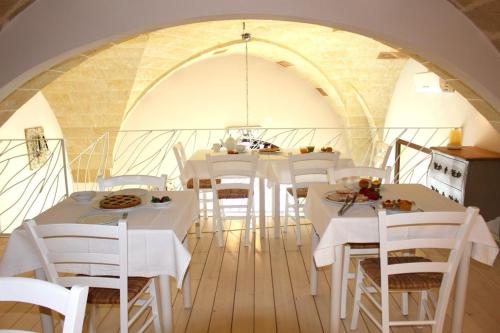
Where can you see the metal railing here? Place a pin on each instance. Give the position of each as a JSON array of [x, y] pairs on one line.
[[25, 193], [150, 151]]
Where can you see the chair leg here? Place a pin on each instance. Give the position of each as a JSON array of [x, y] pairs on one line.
[[357, 297], [123, 317], [248, 219], [421, 305], [313, 272], [197, 227], [154, 306], [285, 223], [404, 304], [345, 280], [254, 219], [297, 224], [218, 224], [205, 208], [92, 317]]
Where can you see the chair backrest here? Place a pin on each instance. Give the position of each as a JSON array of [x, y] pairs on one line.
[[140, 180], [383, 173], [69, 302], [235, 171], [424, 230], [98, 251], [309, 168], [180, 156]]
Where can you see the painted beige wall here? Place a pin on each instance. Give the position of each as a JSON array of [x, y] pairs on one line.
[[211, 94], [419, 109], [433, 29]]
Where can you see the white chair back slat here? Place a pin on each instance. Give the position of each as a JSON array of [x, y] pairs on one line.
[[76, 230], [232, 173], [84, 258], [94, 281], [139, 180], [70, 303], [431, 267], [427, 243], [425, 218], [389, 225], [384, 174]]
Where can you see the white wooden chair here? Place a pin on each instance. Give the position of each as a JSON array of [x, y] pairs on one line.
[[415, 274], [305, 169], [359, 249], [204, 185], [68, 302], [237, 176], [87, 247], [157, 183]]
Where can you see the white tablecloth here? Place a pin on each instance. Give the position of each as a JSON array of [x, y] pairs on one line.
[[271, 166], [154, 236], [360, 223]]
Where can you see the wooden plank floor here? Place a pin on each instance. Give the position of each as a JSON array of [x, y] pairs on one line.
[[265, 288]]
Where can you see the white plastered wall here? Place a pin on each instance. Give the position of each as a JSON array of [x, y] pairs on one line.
[[426, 109], [211, 94]]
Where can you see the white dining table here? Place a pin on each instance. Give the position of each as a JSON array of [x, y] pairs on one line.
[[155, 242], [360, 225], [271, 167]]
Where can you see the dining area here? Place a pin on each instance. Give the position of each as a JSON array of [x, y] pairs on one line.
[[210, 257]]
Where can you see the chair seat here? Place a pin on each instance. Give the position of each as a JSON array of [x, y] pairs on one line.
[[232, 194], [301, 192], [359, 246], [112, 296], [407, 281], [204, 183]]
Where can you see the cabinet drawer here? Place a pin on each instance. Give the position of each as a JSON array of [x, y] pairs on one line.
[[446, 190], [447, 170]]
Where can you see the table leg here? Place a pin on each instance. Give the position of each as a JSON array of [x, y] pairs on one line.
[[314, 273], [262, 207], [277, 223], [186, 285], [335, 294], [461, 290], [45, 314], [166, 305]]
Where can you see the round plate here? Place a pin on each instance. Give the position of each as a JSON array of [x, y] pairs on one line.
[[341, 202]]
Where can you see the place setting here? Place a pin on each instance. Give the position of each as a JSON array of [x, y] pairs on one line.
[[112, 205], [365, 192]]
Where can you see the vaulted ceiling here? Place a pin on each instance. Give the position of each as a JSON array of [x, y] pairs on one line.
[[92, 92]]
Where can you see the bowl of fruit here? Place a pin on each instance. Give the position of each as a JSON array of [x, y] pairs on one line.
[[160, 202]]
